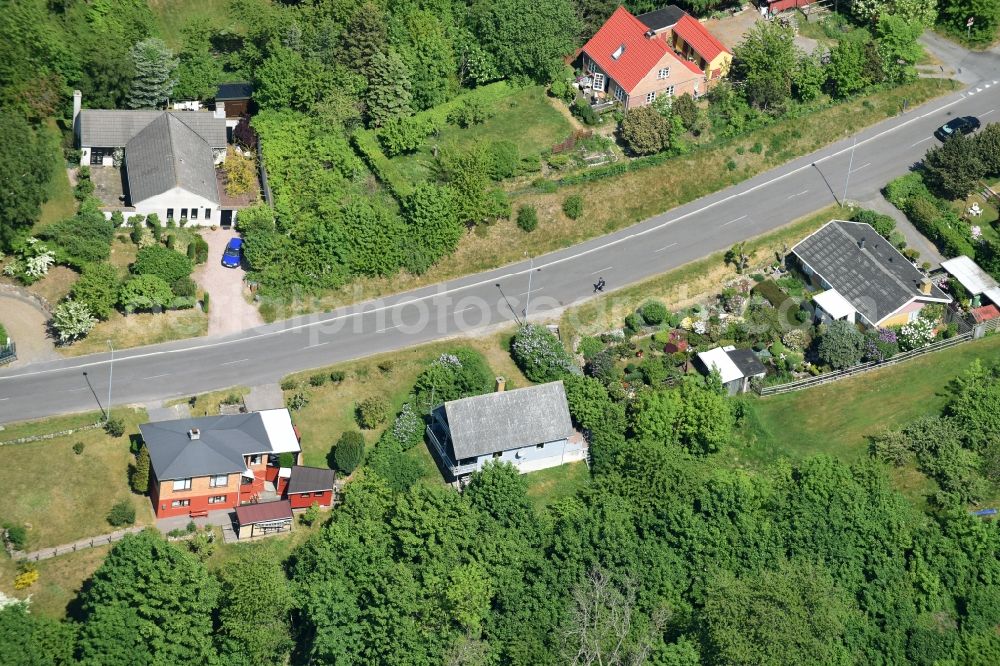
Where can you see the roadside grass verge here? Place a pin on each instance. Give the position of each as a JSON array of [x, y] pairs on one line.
[[140, 329], [61, 495], [207, 404], [689, 283], [837, 418], [616, 202], [331, 408]]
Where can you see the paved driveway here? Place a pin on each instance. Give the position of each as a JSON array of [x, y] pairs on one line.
[[228, 311], [26, 325]]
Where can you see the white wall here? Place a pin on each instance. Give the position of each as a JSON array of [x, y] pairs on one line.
[[178, 198]]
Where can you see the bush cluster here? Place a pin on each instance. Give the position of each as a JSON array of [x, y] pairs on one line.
[[540, 355]]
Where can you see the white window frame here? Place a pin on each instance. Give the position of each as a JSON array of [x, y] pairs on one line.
[[178, 503], [619, 93], [650, 97], [669, 91], [217, 499], [598, 81], [182, 484], [664, 73], [218, 481]]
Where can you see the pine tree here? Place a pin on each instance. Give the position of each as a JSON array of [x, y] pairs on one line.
[[388, 90], [140, 475], [154, 80]]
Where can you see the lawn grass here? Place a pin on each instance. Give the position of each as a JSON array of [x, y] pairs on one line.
[[525, 117], [837, 418], [12, 431], [59, 200], [688, 284], [135, 330], [61, 495], [207, 404], [59, 580], [548, 486], [172, 16], [617, 202], [331, 408]]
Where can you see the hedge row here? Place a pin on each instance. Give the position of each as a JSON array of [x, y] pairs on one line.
[[931, 215], [370, 149]]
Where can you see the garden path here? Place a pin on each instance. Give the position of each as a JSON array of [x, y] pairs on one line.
[[26, 325]]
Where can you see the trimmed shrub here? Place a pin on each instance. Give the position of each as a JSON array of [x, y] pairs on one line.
[[527, 218], [350, 451], [883, 224], [78, 448], [122, 513], [540, 355], [842, 345], [318, 379], [372, 412], [115, 427], [590, 347], [286, 459], [337, 376], [573, 206], [17, 535], [653, 312], [97, 288], [168, 265]]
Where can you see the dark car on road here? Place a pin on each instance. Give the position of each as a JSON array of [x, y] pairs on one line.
[[234, 250], [963, 125]]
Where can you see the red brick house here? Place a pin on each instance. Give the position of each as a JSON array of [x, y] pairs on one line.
[[217, 462], [635, 60], [310, 484]]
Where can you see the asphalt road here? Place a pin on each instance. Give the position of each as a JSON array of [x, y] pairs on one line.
[[475, 302]]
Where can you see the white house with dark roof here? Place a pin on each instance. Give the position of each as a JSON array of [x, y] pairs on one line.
[[736, 367], [865, 279], [168, 159], [528, 427]]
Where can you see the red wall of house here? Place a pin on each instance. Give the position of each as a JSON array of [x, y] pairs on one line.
[[300, 502], [198, 503], [782, 5]]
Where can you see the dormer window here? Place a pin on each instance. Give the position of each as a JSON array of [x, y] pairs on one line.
[[618, 52]]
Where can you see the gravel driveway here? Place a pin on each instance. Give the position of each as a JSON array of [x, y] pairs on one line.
[[229, 311]]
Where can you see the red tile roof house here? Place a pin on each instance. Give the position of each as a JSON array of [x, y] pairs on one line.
[[216, 462], [635, 60]]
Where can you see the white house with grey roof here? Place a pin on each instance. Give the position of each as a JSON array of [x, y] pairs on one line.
[[168, 159], [865, 279], [528, 427]]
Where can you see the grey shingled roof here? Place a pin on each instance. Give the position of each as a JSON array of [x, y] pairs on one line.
[[220, 449], [310, 480], [112, 128], [166, 154], [746, 361], [877, 279], [661, 18], [508, 420]]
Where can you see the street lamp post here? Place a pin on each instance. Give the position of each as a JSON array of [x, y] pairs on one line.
[[111, 376], [527, 302]]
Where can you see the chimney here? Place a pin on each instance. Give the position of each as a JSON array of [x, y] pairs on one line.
[[861, 243], [194, 433], [220, 110], [501, 384], [77, 105], [925, 286]]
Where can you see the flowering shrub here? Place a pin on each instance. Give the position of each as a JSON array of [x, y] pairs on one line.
[[881, 345], [916, 334], [409, 427], [796, 339], [541, 356], [26, 579]]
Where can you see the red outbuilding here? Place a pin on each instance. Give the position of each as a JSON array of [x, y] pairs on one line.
[[310, 484]]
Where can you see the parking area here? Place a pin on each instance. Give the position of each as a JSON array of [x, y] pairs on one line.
[[26, 325], [229, 311]]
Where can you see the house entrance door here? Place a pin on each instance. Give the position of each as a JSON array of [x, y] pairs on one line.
[[227, 219]]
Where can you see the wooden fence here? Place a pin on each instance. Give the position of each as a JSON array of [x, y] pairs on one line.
[[82, 544], [818, 380]]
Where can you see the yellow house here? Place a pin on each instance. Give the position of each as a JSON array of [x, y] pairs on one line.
[[690, 40]]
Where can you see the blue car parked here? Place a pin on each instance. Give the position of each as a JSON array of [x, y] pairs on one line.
[[234, 251]]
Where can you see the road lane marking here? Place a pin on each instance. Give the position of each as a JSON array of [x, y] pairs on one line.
[[85, 388], [388, 328], [741, 217], [602, 270], [866, 164], [318, 344], [2, 399], [983, 115], [665, 247], [920, 142], [468, 307], [242, 360], [494, 278], [792, 196], [165, 374], [530, 292]]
